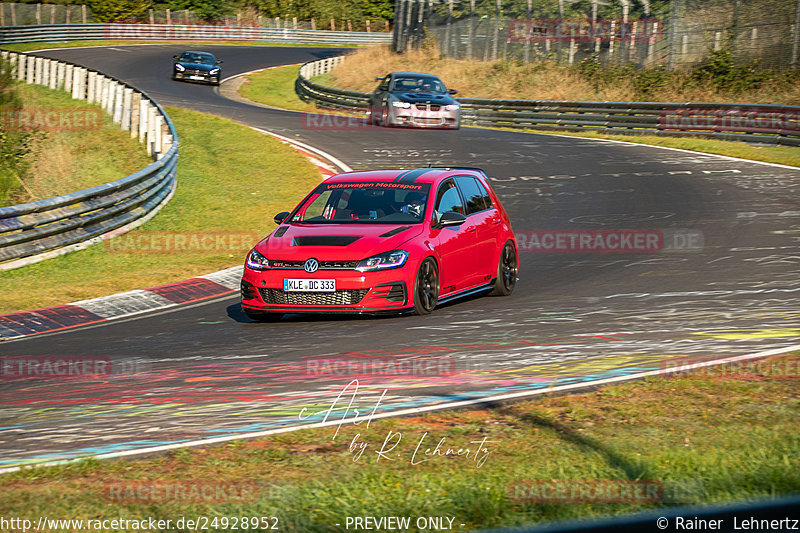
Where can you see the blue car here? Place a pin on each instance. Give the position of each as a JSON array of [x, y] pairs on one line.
[[197, 66]]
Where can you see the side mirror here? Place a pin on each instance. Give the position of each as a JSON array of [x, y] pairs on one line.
[[452, 91], [175, 57], [451, 218], [379, 78], [219, 61], [280, 217]]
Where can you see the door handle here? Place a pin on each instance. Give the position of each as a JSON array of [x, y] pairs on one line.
[[471, 228]]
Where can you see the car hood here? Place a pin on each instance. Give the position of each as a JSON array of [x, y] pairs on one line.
[[197, 66], [424, 98], [329, 242]]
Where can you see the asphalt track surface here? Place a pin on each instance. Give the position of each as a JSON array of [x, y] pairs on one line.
[[574, 318]]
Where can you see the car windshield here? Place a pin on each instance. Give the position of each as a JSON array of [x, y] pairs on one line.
[[194, 57], [424, 84], [364, 203]]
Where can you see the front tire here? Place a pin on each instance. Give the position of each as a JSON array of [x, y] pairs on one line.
[[426, 288], [507, 271]]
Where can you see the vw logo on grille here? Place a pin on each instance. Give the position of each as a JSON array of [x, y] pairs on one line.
[[311, 265]]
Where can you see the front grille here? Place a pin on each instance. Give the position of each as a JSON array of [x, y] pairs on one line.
[[340, 297], [323, 265], [428, 107], [425, 120], [195, 72]]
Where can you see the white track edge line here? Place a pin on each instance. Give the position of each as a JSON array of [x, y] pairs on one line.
[[411, 411]]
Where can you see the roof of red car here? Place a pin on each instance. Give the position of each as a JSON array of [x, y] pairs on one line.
[[417, 175]]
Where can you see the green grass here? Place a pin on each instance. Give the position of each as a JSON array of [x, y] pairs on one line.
[[231, 181], [68, 160], [275, 87], [704, 438]]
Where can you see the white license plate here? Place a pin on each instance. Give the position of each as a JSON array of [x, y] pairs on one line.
[[196, 78], [309, 285]]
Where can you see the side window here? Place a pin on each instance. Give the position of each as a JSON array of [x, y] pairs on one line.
[[487, 199], [473, 193], [448, 199]]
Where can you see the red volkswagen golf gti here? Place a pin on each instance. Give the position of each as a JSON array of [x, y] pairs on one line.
[[383, 241]]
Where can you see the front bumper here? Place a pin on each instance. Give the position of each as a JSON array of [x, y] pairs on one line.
[[196, 75], [425, 119], [356, 292]]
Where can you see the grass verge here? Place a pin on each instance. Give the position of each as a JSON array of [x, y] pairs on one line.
[[83, 149], [712, 436], [231, 180], [275, 87]]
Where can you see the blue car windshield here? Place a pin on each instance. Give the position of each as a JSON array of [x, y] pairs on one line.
[[364, 203], [422, 84], [201, 59]]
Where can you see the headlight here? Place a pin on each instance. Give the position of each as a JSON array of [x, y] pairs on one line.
[[383, 261], [257, 261], [452, 107], [404, 105], [179, 68], [214, 71]]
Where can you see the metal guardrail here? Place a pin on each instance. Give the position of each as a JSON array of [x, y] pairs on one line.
[[760, 123], [178, 32], [37, 230]]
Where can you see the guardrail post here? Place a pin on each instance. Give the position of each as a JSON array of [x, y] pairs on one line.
[[37, 69], [117, 105], [68, 78], [53, 74], [151, 128], [136, 101], [78, 90], [46, 72], [61, 70], [165, 142], [127, 99], [157, 122], [21, 60], [30, 76], [143, 121], [91, 86], [105, 97], [98, 89]]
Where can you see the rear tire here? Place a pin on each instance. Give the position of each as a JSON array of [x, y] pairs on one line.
[[507, 271], [426, 288]]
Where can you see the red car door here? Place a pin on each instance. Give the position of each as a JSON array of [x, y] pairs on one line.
[[455, 244], [486, 219]]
